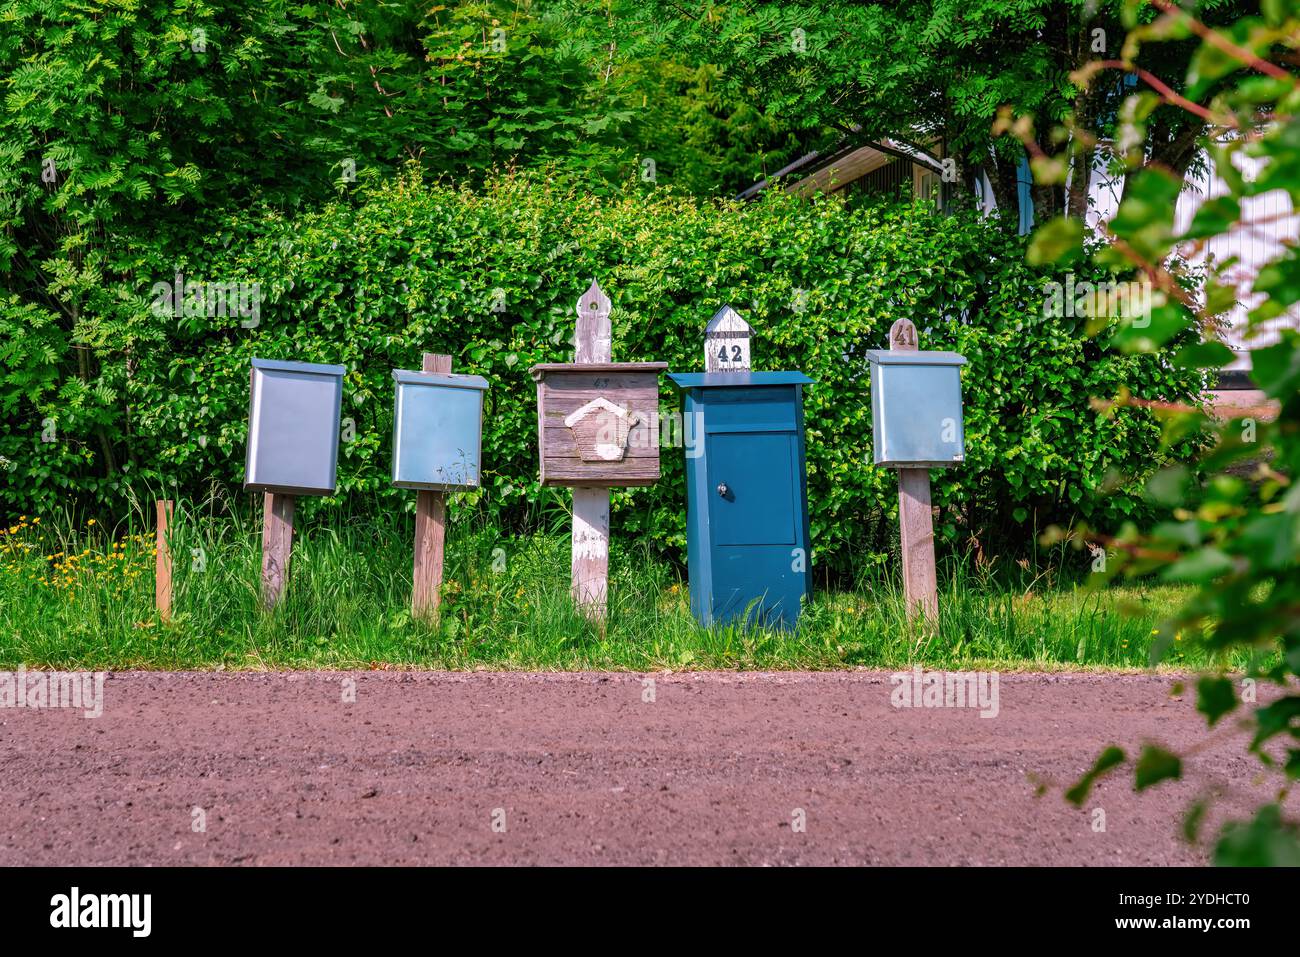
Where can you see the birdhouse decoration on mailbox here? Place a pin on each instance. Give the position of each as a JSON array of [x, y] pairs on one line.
[[726, 342], [293, 427], [746, 489], [597, 428], [437, 430]]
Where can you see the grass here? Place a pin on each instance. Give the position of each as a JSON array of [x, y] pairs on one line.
[[77, 596]]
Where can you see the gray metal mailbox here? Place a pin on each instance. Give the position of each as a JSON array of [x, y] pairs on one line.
[[293, 427], [437, 430], [916, 408]]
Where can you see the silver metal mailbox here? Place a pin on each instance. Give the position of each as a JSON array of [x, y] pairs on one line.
[[916, 408], [437, 429], [293, 427]]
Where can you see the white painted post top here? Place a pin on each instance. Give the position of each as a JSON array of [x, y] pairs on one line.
[[594, 337], [726, 342]]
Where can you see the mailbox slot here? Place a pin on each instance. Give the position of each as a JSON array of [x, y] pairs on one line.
[[293, 427]]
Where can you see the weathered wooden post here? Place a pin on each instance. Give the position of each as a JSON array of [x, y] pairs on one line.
[[277, 545], [437, 444], [593, 342], [430, 530], [597, 427], [293, 448], [917, 418], [915, 519], [162, 586]]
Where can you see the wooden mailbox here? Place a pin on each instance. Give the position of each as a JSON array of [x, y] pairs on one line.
[[597, 429], [598, 423]]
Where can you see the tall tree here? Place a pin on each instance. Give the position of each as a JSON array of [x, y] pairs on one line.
[[938, 74]]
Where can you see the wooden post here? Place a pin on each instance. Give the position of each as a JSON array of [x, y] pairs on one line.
[[162, 586], [277, 545], [430, 531], [593, 342], [915, 522]]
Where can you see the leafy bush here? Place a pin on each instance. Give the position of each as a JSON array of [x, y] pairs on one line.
[[491, 278]]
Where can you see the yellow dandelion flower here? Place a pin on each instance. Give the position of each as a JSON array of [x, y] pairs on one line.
[[90, 522]]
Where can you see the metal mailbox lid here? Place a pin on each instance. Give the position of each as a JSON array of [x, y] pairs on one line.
[[437, 430], [293, 427], [450, 380], [914, 357], [284, 365]]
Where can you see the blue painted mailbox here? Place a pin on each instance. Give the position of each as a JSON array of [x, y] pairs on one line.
[[916, 408], [746, 495], [437, 430], [293, 427]]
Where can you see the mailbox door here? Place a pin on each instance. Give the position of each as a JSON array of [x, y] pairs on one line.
[[755, 510], [293, 429], [437, 437]]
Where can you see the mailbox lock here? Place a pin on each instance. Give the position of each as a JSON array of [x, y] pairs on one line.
[[722, 489]]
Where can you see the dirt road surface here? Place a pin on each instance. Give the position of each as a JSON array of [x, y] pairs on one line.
[[423, 768]]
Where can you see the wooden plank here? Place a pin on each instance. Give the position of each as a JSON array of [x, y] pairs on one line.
[[590, 546], [162, 587], [588, 368], [430, 531], [915, 521], [591, 549], [916, 531], [277, 546], [642, 443]]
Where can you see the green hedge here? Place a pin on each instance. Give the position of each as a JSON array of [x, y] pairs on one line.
[[408, 267]]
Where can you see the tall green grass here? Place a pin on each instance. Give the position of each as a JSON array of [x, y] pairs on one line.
[[506, 606]]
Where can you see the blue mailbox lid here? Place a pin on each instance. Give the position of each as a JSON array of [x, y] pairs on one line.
[[706, 380]]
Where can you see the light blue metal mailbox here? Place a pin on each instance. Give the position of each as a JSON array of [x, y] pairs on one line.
[[437, 429], [916, 408], [293, 427], [746, 496]]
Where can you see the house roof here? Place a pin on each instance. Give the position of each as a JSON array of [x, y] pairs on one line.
[[850, 159]]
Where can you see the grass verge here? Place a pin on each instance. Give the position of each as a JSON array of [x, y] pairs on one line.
[[80, 597]]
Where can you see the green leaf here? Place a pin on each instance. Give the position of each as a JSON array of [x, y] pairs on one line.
[[1154, 765], [1215, 697], [1201, 566], [1267, 840], [1107, 761], [1059, 241], [1204, 355]]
